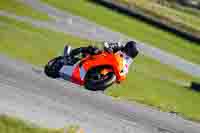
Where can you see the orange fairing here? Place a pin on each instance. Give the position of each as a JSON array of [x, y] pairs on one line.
[[115, 61], [103, 59]]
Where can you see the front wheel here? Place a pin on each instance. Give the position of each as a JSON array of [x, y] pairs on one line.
[[53, 67], [95, 81]]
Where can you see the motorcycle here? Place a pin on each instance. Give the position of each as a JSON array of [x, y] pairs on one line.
[[95, 72]]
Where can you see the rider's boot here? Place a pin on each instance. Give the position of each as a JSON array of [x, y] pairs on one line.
[[66, 54], [67, 50]]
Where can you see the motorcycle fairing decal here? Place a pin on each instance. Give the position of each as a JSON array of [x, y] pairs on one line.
[[82, 73], [78, 75], [66, 71], [74, 73]]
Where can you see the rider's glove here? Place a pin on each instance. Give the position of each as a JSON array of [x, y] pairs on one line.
[[113, 47], [106, 45]]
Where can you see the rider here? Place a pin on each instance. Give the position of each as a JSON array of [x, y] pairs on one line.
[[129, 48]]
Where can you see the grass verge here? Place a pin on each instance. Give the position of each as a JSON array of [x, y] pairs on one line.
[[18, 8], [15, 125], [132, 27], [34, 45], [159, 86], [148, 82]]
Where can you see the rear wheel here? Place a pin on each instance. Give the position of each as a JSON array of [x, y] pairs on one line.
[[53, 67], [95, 80]]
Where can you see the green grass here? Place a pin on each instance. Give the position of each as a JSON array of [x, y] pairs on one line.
[[19, 8], [132, 27], [34, 45], [15, 125], [148, 82], [159, 86]]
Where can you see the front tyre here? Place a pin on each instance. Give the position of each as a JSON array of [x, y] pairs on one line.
[[53, 67], [95, 81]]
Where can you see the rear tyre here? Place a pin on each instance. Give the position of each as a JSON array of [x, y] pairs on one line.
[[53, 67], [95, 81]]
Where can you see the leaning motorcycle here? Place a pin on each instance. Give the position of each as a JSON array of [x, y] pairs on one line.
[[95, 72]]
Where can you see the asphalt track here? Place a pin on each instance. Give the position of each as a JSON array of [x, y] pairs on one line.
[[27, 93]]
